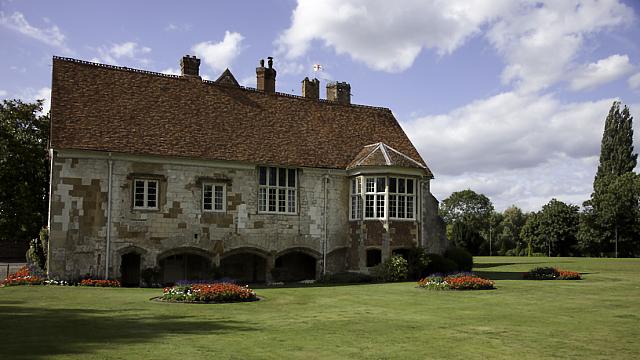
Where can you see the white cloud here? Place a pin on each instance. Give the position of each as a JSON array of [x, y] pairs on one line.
[[634, 81], [382, 34], [3, 93], [538, 40], [219, 56], [51, 36], [128, 50], [514, 147], [31, 95], [601, 72]]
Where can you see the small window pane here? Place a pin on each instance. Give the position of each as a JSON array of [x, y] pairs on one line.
[[272, 176], [282, 177], [282, 200], [401, 189], [292, 201], [392, 206], [292, 178], [392, 185], [380, 206], [262, 200], [371, 183], [272, 199], [263, 175], [381, 184], [368, 208], [219, 198], [152, 186], [353, 186], [401, 207], [409, 186], [410, 207]]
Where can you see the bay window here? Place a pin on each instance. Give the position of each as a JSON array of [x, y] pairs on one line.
[[384, 197]]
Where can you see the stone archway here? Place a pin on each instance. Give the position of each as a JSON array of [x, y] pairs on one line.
[[244, 267], [185, 264], [374, 257], [296, 264]]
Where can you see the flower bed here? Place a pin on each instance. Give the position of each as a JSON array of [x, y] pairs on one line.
[[100, 283], [551, 273], [460, 281], [22, 277], [209, 293]]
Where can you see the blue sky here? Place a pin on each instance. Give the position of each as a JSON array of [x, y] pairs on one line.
[[505, 97]]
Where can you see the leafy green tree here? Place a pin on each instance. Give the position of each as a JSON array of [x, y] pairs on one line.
[[468, 217], [531, 235], [609, 224], [24, 172], [513, 220], [558, 225]]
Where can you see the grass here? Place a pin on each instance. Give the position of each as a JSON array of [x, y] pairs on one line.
[[598, 317]]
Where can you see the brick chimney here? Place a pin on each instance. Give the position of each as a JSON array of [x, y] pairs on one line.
[[311, 88], [339, 92], [190, 66], [266, 77]]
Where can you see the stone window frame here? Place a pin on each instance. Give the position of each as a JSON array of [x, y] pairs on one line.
[[213, 194], [145, 188], [161, 190], [283, 192], [356, 199], [381, 201]]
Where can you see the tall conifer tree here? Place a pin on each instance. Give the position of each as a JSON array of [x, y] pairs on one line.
[[610, 223]]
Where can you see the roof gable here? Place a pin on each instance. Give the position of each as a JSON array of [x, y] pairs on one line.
[[227, 78], [108, 108], [381, 154]]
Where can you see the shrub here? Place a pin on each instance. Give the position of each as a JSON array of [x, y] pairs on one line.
[[462, 258], [438, 264], [393, 269], [459, 281], [417, 262], [568, 275], [542, 273], [346, 277], [100, 283], [151, 277], [209, 293], [24, 276], [37, 252]]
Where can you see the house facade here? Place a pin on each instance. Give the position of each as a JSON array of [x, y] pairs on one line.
[[182, 174]]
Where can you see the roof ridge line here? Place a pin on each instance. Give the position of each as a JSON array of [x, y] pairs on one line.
[[405, 156], [148, 72], [382, 147]]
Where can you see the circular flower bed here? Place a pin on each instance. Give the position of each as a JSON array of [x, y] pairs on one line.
[[208, 293], [22, 277], [460, 281]]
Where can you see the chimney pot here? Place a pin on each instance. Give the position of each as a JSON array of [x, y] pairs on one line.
[[339, 92], [190, 66], [266, 77]]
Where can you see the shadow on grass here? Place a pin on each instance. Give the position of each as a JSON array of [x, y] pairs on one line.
[[500, 275], [489, 265], [32, 333]]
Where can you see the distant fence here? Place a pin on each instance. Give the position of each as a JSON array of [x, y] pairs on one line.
[[7, 268]]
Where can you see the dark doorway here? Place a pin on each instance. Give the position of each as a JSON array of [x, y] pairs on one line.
[[244, 267], [295, 266], [130, 270], [374, 257], [185, 267]]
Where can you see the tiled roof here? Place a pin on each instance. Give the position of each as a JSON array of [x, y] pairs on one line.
[[381, 154], [108, 108]]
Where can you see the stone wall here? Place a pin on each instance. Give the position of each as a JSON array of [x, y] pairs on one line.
[[79, 212]]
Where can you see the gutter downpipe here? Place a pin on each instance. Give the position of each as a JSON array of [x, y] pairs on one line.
[[108, 250], [324, 242]]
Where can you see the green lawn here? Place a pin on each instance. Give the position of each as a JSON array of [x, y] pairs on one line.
[[598, 317]]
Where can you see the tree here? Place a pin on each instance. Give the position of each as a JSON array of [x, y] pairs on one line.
[[609, 223], [531, 234], [558, 225], [468, 217], [513, 220], [24, 172]]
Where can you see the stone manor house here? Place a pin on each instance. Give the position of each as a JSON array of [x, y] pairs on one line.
[[183, 174]]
